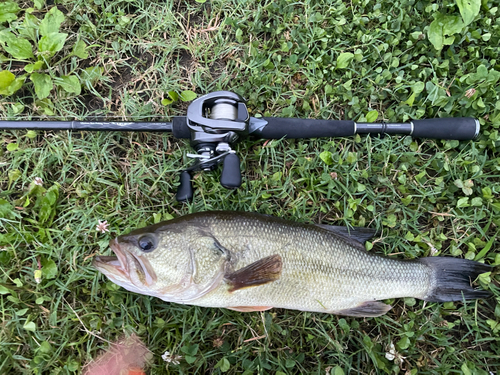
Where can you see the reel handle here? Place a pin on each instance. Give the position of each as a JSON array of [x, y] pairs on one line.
[[231, 173], [185, 189]]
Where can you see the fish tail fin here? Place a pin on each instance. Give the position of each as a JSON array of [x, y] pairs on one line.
[[452, 279]]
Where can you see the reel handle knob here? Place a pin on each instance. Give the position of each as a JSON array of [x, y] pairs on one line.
[[185, 190], [231, 173]]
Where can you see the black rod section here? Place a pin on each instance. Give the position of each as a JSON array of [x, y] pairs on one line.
[[88, 125], [459, 128], [276, 128], [383, 128], [39, 125]]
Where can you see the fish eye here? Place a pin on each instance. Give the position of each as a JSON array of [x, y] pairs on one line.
[[147, 243]]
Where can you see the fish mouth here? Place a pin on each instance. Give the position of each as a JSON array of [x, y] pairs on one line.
[[120, 265], [115, 265]]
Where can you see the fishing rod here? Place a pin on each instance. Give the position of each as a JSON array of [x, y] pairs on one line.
[[216, 121]]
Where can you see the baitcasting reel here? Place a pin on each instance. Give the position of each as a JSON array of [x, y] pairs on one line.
[[216, 121]]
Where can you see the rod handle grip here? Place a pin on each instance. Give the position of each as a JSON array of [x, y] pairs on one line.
[[458, 128], [180, 128], [278, 128]]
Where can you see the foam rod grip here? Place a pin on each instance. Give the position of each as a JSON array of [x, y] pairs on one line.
[[180, 128], [277, 128], [459, 128]]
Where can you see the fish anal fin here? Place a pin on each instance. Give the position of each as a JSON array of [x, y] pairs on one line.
[[261, 272], [367, 309], [358, 234], [249, 308]]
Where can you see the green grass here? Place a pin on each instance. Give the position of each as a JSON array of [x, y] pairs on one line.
[[425, 197]]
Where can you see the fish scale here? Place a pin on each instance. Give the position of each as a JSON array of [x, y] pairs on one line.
[[312, 258], [252, 262]]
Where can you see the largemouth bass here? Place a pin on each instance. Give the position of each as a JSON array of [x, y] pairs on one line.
[[253, 262]]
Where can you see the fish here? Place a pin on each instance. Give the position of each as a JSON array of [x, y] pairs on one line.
[[246, 261]]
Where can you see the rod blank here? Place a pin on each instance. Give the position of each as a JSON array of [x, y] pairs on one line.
[[88, 125]]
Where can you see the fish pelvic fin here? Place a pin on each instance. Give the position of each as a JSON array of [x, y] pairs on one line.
[[451, 279], [249, 308], [261, 272], [368, 309]]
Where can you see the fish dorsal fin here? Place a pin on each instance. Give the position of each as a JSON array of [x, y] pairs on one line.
[[368, 309], [261, 272], [358, 234]]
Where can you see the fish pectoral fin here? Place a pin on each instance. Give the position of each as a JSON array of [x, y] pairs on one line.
[[358, 234], [261, 272], [368, 309], [249, 308]]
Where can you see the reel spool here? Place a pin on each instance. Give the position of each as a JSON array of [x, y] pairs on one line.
[[216, 121], [224, 111]]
